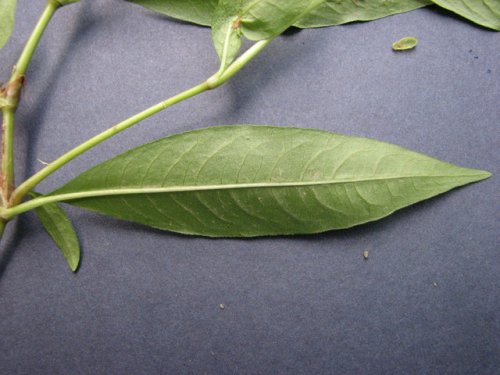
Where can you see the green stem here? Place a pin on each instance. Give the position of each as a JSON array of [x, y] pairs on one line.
[[213, 82], [32, 43], [7, 169], [220, 78], [11, 94]]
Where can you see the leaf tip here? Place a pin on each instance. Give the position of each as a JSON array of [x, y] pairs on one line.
[[476, 175], [483, 175], [74, 264]]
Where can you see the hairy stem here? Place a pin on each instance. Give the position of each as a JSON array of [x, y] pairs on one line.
[[213, 82], [11, 93]]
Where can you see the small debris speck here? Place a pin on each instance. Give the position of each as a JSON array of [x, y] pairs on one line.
[[434, 285], [222, 306], [365, 254]]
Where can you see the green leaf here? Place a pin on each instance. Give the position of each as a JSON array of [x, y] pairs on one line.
[[7, 13], [483, 12], [226, 34], [261, 180], [337, 12], [67, 2], [404, 44], [254, 19], [195, 11], [59, 227]]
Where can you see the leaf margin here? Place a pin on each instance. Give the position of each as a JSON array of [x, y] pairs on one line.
[[472, 175], [56, 222]]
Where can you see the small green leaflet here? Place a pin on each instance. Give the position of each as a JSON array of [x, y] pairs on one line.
[[244, 181], [7, 14], [59, 227], [195, 11], [483, 12], [404, 44], [335, 12]]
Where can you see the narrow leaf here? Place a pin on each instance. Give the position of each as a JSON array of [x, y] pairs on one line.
[[483, 12], [67, 2], [195, 11], [335, 12], [59, 227], [261, 180], [7, 13]]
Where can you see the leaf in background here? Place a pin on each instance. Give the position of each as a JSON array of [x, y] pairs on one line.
[[260, 180], [483, 12], [255, 19], [66, 2], [59, 227], [195, 11], [335, 12], [7, 14], [226, 34], [264, 19]]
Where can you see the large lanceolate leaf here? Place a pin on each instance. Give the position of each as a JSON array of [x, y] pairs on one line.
[[59, 227], [483, 12], [260, 180], [7, 13], [195, 11], [337, 12]]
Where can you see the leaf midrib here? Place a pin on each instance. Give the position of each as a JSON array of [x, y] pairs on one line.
[[195, 188]]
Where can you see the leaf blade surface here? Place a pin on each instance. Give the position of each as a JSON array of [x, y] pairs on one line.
[[254, 19], [483, 12], [7, 15], [258, 180], [196, 11], [59, 227], [334, 12]]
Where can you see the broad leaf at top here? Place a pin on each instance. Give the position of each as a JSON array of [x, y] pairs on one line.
[[59, 227], [336, 12], [196, 11], [259, 180], [483, 12], [7, 13]]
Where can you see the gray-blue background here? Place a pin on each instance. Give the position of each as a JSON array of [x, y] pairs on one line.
[[147, 302]]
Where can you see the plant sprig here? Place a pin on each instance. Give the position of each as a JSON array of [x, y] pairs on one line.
[[234, 180]]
